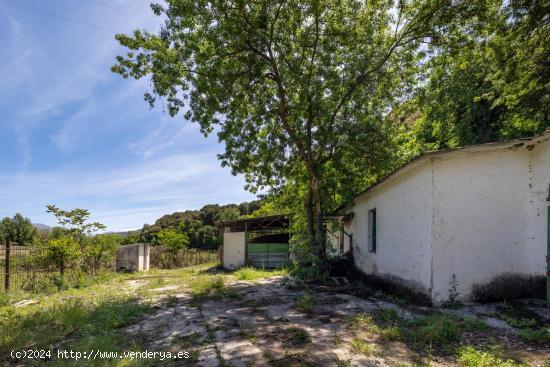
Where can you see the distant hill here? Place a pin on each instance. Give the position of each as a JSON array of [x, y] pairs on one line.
[[41, 226]]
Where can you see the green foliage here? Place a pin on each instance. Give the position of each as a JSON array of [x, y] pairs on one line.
[[298, 337], [470, 357], [358, 345], [18, 229], [306, 303], [60, 252], [249, 273], [75, 222], [491, 83], [198, 225], [206, 285], [296, 90], [452, 301], [100, 250], [172, 239], [435, 330], [541, 335]]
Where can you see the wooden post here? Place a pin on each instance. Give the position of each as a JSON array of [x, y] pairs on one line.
[[7, 278]]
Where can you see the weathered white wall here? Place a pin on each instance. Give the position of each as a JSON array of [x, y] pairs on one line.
[[233, 249], [403, 211], [474, 213], [133, 257], [538, 212], [490, 216]]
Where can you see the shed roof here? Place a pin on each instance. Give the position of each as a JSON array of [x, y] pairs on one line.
[[270, 222], [531, 141]]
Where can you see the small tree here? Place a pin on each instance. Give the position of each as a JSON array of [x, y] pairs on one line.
[[100, 249], [59, 252], [172, 239], [76, 222]]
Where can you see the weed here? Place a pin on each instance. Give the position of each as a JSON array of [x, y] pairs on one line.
[[390, 334], [250, 273], [437, 330], [362, 321], [298, 337], [360, 346], [305, 303], [171, 301], [536, 336], [452, 301], [518, 322], [473, 324], [206, 285], [471, 357], [388, 315]]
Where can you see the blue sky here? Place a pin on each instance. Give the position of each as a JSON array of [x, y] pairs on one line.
[[76, 135]]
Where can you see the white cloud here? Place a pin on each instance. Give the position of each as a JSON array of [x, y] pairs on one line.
[[126, 197]]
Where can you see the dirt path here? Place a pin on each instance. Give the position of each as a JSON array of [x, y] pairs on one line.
[[268, 323]]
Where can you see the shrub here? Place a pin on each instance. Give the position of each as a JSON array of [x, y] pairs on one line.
[[61, 252], [509, 286]]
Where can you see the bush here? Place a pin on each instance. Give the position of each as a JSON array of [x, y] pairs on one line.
[[509, 286]]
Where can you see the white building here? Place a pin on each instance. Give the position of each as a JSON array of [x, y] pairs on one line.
[[475, 212]]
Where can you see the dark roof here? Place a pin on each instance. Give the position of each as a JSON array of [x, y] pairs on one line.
[[256, 224], [435, 153]]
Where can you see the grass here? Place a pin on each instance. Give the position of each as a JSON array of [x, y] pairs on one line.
[[250, 273], [358, 345], [298, 337], [435, 330], [362, 321], [306, 303], [535, 336], [471, 357]]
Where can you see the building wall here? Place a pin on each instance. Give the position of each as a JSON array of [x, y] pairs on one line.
[[233, 249], [403, 211], [489, 216]]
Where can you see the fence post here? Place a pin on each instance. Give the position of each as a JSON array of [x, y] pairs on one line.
[[7, 277]]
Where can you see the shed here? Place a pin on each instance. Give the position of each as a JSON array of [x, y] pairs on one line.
[[260, 242], [133, 257], [455, 219]]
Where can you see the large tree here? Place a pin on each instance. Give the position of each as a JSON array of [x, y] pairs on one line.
[[18, 230], [291, 86]]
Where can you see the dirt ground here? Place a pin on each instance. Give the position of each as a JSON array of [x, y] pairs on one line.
[[273, 322]]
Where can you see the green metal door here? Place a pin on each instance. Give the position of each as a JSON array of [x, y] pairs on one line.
[[267, 255]]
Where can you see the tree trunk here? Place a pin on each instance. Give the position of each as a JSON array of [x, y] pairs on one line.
[[319, 237], [310, 215]]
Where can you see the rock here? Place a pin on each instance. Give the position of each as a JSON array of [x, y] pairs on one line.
[[26, 302]]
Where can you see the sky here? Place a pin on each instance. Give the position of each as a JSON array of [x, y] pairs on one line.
[[74, 134]]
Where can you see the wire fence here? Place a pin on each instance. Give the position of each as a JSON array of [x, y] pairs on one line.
[[18, 270], [163, 258]]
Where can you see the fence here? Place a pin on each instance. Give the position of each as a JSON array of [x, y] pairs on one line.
[[16, 268], [18, 271], [163, 258]]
